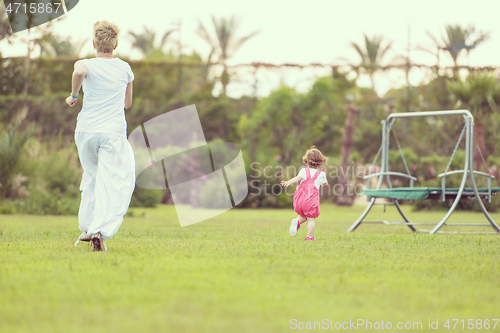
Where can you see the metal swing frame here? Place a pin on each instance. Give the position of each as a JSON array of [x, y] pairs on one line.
[[467, 171]]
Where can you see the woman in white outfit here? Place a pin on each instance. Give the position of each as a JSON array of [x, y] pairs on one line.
[[101, 137]]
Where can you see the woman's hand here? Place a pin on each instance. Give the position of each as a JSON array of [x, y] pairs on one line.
[[71, 101], [285, 183]]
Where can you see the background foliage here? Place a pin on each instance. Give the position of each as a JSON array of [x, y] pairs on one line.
[[273, 131]]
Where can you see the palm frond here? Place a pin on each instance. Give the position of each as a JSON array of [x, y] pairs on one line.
[[242, 41], [421, 48], [360, 52], [434, 39], [202, 32], [165, 38], [146, 43], [223, 33], [482, 38], [384, 50]]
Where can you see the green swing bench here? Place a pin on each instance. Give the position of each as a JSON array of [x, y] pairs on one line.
[[418, 193]]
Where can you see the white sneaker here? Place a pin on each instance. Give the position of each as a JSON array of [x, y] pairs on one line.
[[294, 227]]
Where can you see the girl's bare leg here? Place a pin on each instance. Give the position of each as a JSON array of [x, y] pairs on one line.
[[301, 219], [311, 224]]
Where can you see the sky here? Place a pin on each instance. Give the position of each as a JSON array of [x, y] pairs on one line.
[[296, 31]]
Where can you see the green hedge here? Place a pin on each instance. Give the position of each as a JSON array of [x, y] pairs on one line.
[[154, 80]]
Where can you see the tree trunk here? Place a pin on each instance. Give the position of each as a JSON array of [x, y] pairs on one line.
[[3, 190], [371, 74], [479, 141], [346, 199], [224, 80], [27, 65]]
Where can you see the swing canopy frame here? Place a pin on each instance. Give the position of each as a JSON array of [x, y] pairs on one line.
[[417, 193]]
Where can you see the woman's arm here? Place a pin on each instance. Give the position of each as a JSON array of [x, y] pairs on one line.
[[128, 96], [79, 74]]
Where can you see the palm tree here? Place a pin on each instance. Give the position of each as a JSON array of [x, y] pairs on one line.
[[479, 93], [146, 43], [372, 53], [54, 46], [458, 39], [225, 43]]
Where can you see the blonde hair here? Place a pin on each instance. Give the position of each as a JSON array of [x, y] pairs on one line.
[[105, 36], [314, 158]]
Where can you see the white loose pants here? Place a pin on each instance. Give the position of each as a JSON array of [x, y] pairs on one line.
[[108, 181]]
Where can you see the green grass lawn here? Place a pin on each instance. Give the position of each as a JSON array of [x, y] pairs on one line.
[[242, 272]]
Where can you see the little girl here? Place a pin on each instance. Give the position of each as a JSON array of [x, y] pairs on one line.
[[306, 196]]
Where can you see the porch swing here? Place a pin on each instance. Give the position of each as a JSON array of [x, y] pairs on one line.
[[418, 193]]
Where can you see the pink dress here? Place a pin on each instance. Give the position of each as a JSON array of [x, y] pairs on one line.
[[306, 197]]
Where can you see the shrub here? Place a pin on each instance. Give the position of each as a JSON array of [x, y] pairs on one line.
[[53, 178], [146, 198]]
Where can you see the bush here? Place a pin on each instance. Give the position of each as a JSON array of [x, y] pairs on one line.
[[464, 204], [146, 198], [53, 177], [266, 192], [8, 207], [11, 145], [47, 203], [49, 115], [154, 80]]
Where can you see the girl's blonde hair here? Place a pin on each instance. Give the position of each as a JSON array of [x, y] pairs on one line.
[[105, 36], [314, 158]]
